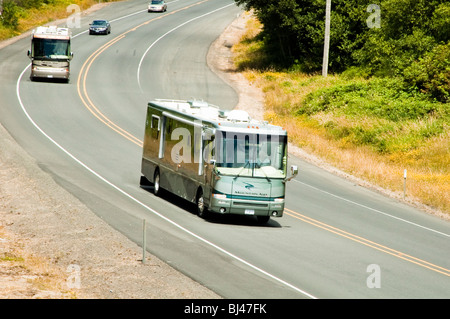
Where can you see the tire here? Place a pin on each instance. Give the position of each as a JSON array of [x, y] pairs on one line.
[[157, 183], [202, 210]]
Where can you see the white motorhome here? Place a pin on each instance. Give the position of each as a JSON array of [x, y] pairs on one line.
[[50, 53], [223, 161]]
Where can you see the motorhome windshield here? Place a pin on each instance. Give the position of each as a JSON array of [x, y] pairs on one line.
[[50, 48], [251, 155]]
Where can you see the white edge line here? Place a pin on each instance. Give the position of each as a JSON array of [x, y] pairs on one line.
[[145, 206], [373, 209], [170, 31]]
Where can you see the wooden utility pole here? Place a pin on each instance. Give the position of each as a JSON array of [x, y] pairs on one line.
[[326, 46]]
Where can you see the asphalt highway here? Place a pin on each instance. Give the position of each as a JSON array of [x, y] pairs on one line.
[[336, 239]]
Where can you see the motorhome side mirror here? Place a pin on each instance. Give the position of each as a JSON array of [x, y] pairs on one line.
[[29, 53], [294, 172]]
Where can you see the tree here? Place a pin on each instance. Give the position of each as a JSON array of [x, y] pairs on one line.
[[431, 73], [10, 14], [293, 30]]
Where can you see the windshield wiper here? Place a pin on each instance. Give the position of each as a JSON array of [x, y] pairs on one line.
[[246, 163]]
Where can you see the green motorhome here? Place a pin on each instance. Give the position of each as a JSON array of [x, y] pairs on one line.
[[223, 161]]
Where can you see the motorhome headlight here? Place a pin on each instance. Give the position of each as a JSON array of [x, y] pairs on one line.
[[220, 196], [279, 200]]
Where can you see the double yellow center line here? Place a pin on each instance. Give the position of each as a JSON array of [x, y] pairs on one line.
[[82, 77], [367, 242], [82, 92]]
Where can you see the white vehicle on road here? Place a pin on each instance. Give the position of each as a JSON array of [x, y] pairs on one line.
[[50, 53], [157, 6]]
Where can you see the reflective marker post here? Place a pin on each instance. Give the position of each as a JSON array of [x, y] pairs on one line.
[[404, 183], [144, 240]]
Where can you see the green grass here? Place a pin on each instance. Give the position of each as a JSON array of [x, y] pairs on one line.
[[379, 113]]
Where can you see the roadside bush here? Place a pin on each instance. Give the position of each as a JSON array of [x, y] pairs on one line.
[[378, 113], [431, 73], [10, 14], [379, 97]]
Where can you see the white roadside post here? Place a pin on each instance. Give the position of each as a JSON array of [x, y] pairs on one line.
[[144, 240], [404, 183]]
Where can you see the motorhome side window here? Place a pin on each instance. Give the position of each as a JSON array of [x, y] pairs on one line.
[[155, 126]]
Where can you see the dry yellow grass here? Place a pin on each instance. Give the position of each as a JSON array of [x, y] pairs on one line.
[[428, 176], [46, 14], [34, 17], [24, 275]]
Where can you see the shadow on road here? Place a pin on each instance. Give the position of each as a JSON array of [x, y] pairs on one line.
[[229, 219]]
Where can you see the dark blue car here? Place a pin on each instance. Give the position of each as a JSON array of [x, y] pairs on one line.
[[100, 27]]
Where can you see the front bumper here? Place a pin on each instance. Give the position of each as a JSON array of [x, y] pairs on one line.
[[155, 9], [246, 207], [50, 73], [98, 31]]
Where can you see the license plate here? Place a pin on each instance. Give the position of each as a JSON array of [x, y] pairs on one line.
[[249, 212]]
